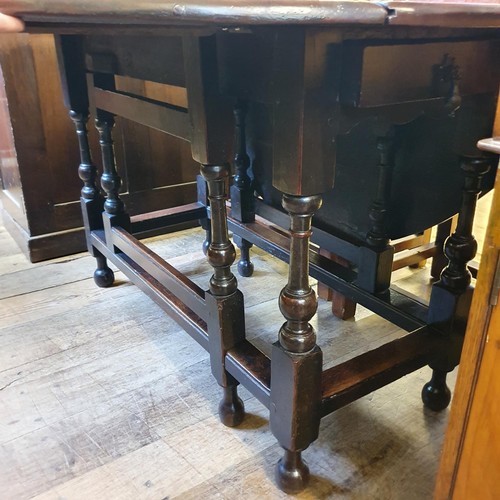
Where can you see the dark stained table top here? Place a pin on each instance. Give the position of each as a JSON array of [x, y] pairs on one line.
[[445, 13]]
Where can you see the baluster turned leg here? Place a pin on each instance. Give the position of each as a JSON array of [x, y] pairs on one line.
[[451, 295], [439, 261], [241, 191], [74, 86], [375, 266], [114, 209], [91, 199], [296, 361], [226, 325]]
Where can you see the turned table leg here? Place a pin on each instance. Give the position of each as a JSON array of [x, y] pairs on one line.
[[226, 325], [211, 141], [375, 260], [451, 295], [242, 204], [91, 200], [74, 85], [296, 360], [114, 209]]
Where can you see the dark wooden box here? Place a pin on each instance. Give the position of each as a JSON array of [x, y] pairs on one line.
[[430, 134]]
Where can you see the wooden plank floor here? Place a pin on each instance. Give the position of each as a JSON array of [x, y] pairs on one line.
[[102, 396]]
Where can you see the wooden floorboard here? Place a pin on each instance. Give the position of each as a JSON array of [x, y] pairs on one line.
[[102, 396]]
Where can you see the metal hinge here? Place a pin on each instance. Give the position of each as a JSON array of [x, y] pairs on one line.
[[495, 289]]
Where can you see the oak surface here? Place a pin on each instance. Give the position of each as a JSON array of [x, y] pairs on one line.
[[471, 453], [130, 410], [227, 12]]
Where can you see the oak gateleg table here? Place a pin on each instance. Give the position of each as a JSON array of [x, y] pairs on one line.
[[308, 74]]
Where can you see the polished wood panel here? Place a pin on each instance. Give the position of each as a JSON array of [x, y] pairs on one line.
[[42, 137], [480, 457], [38, 149]]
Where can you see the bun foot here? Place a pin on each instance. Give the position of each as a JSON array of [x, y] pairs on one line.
[[435, 394], [292, 474], [245, 268], [103, 275], [231, 408]]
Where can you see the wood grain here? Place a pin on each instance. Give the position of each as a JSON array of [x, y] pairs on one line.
[[225, 12], [480, 460], [93, 413], [38, 143]]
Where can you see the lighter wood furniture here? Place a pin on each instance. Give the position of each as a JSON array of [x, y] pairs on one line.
[[471, 455], [315, 101]]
